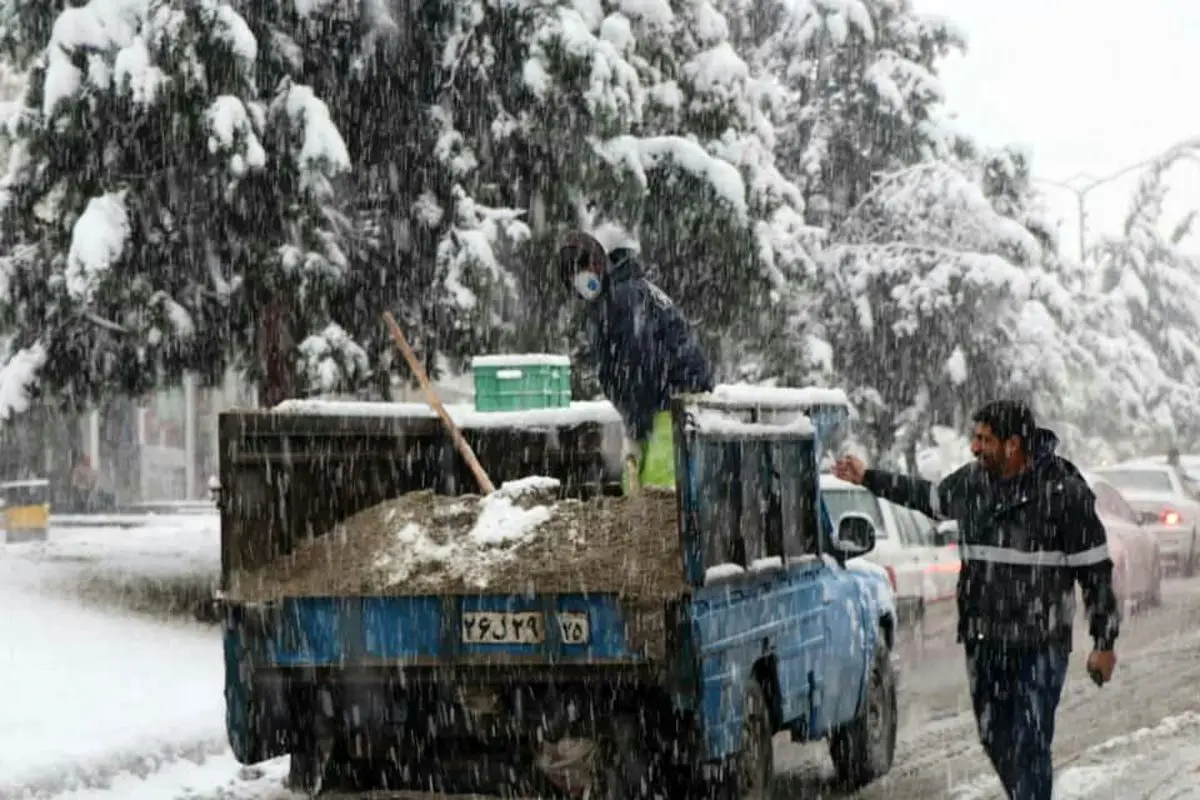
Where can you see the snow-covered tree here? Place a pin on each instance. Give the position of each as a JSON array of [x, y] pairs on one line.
[[168, 203], [922, 280], [1147, 283]]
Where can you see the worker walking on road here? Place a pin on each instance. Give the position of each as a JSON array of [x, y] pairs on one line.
[[645, 350], [1028, 531]]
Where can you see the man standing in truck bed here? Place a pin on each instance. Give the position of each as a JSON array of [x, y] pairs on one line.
[[1028, 531], [645, 350]]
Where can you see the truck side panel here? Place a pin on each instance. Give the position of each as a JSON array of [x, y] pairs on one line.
[[428, 631], [776, 615], [849, 642]]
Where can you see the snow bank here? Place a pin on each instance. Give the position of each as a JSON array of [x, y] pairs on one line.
[[90, 692], [168, 568], [195, 775]]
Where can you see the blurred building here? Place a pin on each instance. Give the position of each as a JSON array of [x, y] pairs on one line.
[[163, 448]]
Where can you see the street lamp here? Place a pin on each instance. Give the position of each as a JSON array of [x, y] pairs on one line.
[[1081, 185]]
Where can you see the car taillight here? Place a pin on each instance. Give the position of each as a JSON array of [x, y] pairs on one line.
[[891, 573], [1169, 516]]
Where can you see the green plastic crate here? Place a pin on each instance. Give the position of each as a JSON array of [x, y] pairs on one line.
[[521, 382]]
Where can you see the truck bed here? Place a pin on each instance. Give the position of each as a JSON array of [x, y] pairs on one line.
[[277, 468], [424, 544]]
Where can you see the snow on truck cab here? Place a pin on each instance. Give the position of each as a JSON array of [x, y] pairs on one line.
[[537, 657]]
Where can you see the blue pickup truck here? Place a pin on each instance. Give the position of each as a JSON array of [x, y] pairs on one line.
[[777, 630]]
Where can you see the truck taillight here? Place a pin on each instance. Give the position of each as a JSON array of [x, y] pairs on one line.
[[891, 573], [1169, 516]]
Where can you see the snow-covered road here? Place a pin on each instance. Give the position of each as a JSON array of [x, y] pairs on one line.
[[103, 704]]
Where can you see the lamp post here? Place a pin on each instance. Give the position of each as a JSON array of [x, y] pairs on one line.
[[1081, 184]]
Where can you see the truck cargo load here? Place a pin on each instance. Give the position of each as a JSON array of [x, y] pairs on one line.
[[520, 539]]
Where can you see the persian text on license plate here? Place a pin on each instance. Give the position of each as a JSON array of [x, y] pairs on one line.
[[523, 627]]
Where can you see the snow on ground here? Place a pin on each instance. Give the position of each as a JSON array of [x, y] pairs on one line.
[[87, 688], [1153, 763], [168, 566], [102, 703], [167, 545], [219, 777]]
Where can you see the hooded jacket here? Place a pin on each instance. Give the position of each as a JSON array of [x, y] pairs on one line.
[[1024, 542], [645, 349]]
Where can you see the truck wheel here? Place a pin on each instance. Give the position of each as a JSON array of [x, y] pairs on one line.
[[751, 773], [621, 769], [863, 750], [306, 773], [309, 766]]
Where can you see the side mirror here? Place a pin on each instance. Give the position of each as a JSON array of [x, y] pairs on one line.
[[855, 534], [946, 534]]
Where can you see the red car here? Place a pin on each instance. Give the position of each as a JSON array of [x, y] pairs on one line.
[[1137, 561]]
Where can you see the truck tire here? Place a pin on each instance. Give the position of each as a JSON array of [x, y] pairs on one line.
[[622, 771], [863, 750], [750, 775]]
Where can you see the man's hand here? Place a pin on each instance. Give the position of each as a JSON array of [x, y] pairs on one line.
[[850, 469], [1100, 665]]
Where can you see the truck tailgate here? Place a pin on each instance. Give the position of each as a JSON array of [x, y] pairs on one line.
[[453, 630]]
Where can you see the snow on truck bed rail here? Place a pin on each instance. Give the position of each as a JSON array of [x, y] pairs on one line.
[[715, 423], [463, 414], [745, 394], [730, 396]]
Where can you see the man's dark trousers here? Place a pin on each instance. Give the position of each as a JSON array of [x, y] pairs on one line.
[[1015, 692]]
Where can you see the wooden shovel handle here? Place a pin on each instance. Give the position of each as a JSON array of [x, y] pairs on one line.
[[431, 397]]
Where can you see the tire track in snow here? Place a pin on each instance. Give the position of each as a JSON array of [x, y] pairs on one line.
[[99, 774]]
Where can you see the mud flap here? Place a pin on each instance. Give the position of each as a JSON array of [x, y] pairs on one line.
[[255, 726]]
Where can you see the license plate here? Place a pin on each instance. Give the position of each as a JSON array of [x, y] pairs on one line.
[[574, 628], [492, 627], [523, 627]]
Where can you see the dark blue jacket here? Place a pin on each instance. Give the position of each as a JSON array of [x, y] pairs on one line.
[[645, 349], [1025, 542]]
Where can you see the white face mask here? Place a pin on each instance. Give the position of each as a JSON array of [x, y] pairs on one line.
[[587, 284]]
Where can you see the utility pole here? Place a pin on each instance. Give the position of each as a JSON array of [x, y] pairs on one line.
[[1082, 184]]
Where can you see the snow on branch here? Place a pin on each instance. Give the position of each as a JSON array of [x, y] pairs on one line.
[[97, 242], [18, 375], [332, 362], [234, 132], [471, 245], [638, 155], [319, 149]]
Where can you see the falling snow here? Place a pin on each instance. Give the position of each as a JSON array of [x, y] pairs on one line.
[[207, 207]]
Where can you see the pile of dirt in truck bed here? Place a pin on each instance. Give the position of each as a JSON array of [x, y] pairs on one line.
[[515, 541]]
